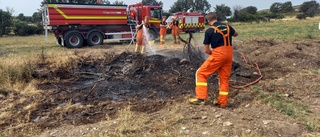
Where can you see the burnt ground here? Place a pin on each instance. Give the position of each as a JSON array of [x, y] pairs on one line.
[[102, 86]]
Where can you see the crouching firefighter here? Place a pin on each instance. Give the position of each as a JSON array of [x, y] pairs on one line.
[[219, 37], [141, 35]]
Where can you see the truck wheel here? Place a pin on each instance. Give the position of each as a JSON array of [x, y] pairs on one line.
[[95, 38], [152, 34], [74, 40]]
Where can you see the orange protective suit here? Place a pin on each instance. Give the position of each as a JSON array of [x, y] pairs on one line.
[[163, 32], [175, 31], [141, 40], [220, 60]]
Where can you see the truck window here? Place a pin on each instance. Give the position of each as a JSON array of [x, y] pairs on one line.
[[155, 13], [169, 19]]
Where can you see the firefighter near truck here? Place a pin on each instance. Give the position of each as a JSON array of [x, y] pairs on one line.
[[76, 25], [188, 21]]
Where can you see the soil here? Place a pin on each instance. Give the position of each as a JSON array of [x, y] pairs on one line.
[[74, 99]]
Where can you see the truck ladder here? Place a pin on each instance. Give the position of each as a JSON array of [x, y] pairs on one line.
[[134, 32]]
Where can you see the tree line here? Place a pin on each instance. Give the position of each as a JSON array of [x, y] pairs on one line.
[[24, 25]]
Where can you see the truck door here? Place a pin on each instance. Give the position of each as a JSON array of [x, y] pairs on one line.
[[154, 20]]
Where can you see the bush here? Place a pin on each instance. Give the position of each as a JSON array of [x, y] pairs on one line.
[[301, 16], [5, 22], [310, 8], [24, 29]]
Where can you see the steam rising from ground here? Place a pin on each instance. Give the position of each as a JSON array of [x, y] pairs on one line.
[[148, 43]]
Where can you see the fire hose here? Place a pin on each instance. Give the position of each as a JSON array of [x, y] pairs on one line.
[[253, 82]]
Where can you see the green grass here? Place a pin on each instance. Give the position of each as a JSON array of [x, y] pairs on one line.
[[279, 29], [314, 71], [284, 105], [290, 108], [16, 46]]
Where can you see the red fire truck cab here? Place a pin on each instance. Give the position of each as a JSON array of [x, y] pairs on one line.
[[188, 21], [74, 24]]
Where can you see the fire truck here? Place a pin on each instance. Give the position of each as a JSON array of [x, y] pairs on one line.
[[188, 21], [75, 25]]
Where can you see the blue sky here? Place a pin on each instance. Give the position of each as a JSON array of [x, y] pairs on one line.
[[31, 6]]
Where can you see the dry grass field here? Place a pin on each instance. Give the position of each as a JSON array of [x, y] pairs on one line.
[[49, 90]]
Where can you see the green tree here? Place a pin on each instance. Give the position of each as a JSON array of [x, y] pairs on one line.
[[236, 14], [21, 17], [279, 8], [24, 18], [222, 12], [250, 10], [22, 28], [249, 14], [5, 22], [276, 7], [37, 17], [287, 7], [202, 6], [267, 16], [309, 8], [166, 13], [149, 2], [181, 6]]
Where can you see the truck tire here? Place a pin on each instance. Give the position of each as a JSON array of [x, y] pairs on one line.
[[152, 34], [94, 38], [74, 40]]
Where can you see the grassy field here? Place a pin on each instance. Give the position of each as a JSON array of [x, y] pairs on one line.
[[283, 30], [19, 54]]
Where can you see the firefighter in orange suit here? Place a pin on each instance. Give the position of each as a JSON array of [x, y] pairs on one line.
[[163, 30], [175, 30], [141, 38], [219, 37]]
